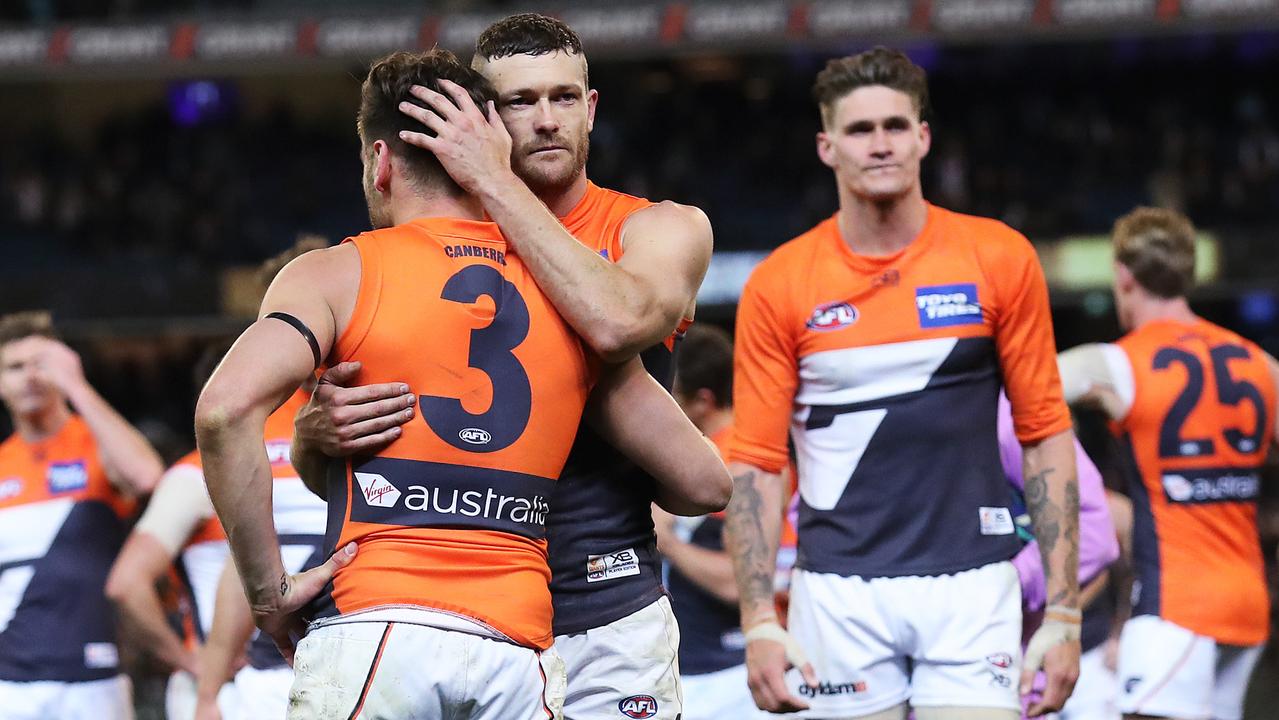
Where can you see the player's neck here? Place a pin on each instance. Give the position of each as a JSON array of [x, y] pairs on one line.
[[41, 425], [562, 202], [1153, 309], [716, 421], [881, 228], [412, 207]]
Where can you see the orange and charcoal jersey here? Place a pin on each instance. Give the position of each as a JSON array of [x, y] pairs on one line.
[[200, 561], [603, 553], [451, 517], [887, 371], [1197, 434], [61, 525], [299, 518]]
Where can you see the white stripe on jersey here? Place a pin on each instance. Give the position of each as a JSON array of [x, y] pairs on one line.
[[828, 456], [203, 563], [297, 511], [859, 374], [26, 534]]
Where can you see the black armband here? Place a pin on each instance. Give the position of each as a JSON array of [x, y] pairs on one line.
[[304, 330]]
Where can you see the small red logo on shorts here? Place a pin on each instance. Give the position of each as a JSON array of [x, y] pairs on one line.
[[638, 706], [1002, 661]]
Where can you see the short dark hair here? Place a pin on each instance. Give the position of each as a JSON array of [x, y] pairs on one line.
[[877, 66], [527, 34], [387, 85], [705, 360], [1158, 247], [22, 325]]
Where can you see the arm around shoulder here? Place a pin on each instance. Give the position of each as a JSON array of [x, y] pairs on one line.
[[635, 415]]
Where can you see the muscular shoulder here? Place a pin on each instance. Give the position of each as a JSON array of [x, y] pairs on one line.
[[670, 219]]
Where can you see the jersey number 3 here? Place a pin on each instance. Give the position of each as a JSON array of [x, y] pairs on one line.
[[504, 422], [1229, 392]]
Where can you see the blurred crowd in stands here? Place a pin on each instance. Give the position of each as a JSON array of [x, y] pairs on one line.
[[1053, 148]]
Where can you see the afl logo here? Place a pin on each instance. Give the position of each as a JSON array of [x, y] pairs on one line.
[[1003, 661], [474, 436], [832, 316], [638, 706]]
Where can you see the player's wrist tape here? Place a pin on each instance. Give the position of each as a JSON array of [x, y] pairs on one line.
[[1064, 613], [772, 631], [1049, 635]]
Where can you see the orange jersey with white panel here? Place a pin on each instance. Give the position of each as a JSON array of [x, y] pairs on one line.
[[61, 526], [886, 371], [181, 518], [451, 517], [1202, 416]]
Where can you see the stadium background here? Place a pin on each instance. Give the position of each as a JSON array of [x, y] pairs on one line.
[[152, 151]]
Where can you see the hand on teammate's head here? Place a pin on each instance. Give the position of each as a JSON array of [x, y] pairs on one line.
[[470, 142]]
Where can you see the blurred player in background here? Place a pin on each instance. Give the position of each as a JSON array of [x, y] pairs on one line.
[[881, 337], [624, 273], [712, 651], [262, 684], [458, 568], [1096, 691], [178, 525], [1194, 405], [68, 476]]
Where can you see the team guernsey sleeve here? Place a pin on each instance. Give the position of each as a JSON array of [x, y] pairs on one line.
[[1024, 337], [765, 375]]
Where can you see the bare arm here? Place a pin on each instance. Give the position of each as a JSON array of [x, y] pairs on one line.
[[618, 308], [128, 459], [131, 586], [625, 406], [710, 570], [231, 631], [752, 532], [264, 367], [1052, 498]]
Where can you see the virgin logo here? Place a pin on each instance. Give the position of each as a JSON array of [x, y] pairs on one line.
[[376, 490]]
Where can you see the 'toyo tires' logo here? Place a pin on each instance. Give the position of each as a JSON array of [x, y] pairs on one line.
[[474, 436], [638, 706], [832, 316]]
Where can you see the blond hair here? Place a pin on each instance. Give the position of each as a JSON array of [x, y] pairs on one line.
[[1158, 247]]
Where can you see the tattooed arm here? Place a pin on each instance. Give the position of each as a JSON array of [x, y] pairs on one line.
[[1052, 498], [753, 528]]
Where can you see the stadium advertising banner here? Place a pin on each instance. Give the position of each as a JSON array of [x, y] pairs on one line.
[[624, 30]]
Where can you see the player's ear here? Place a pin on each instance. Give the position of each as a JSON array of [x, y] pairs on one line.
[[1124, 279], [381, 166], [592, 99], [826, 149], [925, 138]]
